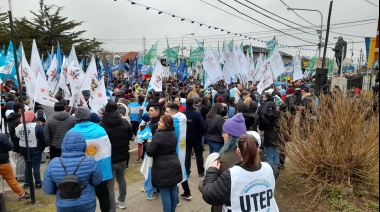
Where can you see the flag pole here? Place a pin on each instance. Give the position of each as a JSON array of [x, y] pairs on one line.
[[28, 161]]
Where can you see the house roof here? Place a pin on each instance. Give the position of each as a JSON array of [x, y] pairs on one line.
[[128, 56]]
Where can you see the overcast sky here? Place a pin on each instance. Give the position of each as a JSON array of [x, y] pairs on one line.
[[121, 25]]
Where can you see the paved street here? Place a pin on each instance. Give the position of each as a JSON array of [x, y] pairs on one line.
[[136, 200]]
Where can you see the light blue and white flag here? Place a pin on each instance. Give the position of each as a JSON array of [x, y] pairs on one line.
[[180, 124], [98, 146], [135, 109], [146, 170], [146, 134]]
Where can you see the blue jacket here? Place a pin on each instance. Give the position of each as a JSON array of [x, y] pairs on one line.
[[73, 150]]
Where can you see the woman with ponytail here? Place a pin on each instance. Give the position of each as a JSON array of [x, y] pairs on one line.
[[247, 186]]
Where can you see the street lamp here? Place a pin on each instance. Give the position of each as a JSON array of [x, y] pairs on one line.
[[321, 31], [182, 40]]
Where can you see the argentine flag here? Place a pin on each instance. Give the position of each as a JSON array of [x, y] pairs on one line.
[[146, 134], [146, 167], [146, 170], [180, 124], [135, 109], [98, 146]]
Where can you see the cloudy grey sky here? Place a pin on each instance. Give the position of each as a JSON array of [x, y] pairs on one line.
[[121, 25]]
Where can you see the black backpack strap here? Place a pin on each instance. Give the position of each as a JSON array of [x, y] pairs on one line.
[[60, 160], [80, 163]]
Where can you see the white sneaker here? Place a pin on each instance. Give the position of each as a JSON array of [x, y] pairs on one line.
[[121, 205], [151, 198], [142, 189]]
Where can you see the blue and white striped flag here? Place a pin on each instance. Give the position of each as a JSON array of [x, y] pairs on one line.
[[98, 146], [146, 170], [180, 124], [146, 134]]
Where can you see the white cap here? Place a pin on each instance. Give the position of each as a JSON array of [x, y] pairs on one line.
[[211, 159], [256, 135], [270, 91]]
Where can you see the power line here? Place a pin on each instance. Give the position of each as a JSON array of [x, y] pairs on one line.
[[276, 14], [259, 33], [372, 3], [264, 23], [233, 14], [273, 18], [212, 27], [298, 14]]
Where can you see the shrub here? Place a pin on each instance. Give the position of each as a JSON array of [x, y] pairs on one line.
[[337, 145]]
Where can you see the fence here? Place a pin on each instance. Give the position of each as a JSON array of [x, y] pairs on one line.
[[364, 82]]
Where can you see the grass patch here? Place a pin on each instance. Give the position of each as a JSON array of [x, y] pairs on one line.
[[371, 204]]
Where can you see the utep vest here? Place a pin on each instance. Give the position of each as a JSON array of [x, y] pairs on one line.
[[252, 191]]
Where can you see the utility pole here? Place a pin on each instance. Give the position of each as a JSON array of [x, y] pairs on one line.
[[327, 35]]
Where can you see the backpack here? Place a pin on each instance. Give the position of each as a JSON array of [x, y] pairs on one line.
[[70, 186]]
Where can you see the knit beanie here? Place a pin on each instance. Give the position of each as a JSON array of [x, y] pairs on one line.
[[111, 106], [59, 107], [235, 126], [82, 114], [95, 118], [290, 91], [29, 116]]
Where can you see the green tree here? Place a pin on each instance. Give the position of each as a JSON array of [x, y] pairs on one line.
[[5, 34], [49, 28]]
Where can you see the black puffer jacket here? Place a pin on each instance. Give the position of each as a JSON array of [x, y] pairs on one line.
[[13, 121], [119, 132], [214, 128], [217, 188], [269, 124], [166, 169], [56, 128]]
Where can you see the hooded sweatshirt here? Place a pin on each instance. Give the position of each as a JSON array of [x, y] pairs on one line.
[[56, 127]]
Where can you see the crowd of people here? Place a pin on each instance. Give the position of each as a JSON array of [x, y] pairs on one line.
[[238, 125]]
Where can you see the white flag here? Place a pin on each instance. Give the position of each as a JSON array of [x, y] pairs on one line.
[[260, 73], [43, 95], [241, 63], [252, 71], [28, 75], [98, 97], [156, 80], [212, 66], [229, 66], [297, 68], [53, 77], [91, 78], [35, 62], [266, 81], [276, 63], [75, 78]]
